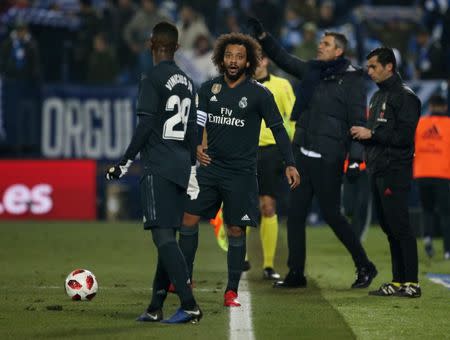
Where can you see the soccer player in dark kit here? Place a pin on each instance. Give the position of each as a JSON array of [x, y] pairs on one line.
[[166, 138], [231, 108]]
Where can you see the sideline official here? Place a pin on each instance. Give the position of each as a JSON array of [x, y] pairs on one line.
[[394, 111]]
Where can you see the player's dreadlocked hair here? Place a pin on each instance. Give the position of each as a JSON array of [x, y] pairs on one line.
[[251, 45]]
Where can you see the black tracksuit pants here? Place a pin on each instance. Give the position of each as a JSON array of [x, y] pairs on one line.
[[390, 194], [435, 199], [324, 180]]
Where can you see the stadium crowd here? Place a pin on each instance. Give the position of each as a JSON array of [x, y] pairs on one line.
[[103, 41]]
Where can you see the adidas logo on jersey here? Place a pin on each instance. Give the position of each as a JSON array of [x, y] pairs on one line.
[[213, 99], [245, 218], [432, 133]]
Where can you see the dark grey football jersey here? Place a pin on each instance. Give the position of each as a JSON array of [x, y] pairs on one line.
[[167, 94], [233, 121]]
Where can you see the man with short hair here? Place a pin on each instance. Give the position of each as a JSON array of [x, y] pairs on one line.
[[331, 99], [394, 111], [166, 138]]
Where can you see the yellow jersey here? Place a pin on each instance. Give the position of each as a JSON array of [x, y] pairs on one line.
[[284, 98]]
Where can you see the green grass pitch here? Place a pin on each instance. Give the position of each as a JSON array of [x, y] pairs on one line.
[[35, 258]]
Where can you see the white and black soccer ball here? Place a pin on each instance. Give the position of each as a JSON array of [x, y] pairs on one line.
[[81, 284]]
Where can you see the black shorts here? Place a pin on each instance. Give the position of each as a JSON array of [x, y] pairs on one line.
[[270, 170], [238, 192], [163, 202]]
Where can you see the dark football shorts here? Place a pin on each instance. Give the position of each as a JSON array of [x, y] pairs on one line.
[[163, 202], [238, 192], [270, 170]]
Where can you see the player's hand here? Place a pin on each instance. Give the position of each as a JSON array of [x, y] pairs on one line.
[[292, 176], [193, 188], [256, 29], [360, 132], [202, 156], [119, 170], [353, 171]]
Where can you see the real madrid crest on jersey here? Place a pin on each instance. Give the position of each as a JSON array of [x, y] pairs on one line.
[[243, 102], [215, 89]]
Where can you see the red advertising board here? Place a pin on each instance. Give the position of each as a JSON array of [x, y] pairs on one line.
[[48, 189]]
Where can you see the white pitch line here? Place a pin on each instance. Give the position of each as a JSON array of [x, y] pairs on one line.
[[440, 282], [241, 324]]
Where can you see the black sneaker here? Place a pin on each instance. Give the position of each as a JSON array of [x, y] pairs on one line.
[[364, 276], [270, 274], [410, 290], [293, 279], [386, 289], [147, 316], [246, 266]]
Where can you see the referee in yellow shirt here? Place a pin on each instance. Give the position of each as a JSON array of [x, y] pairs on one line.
[[270, 165]]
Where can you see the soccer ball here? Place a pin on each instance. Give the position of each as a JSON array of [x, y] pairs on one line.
[[81, 284]]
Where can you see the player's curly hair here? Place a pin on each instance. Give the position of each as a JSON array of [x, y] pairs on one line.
[[251, 45]]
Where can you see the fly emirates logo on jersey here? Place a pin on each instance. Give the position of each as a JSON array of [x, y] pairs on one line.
[[225, 118]]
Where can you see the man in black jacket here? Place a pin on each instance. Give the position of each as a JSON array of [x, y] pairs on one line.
[[331, 99], [389, 137]]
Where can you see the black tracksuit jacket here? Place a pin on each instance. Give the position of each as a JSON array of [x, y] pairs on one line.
[[394, 112], [338, 103]]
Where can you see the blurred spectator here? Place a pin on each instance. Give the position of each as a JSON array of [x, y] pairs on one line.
[[270, 13], [211, 10], [103, 66], [307, 9], [434, 16], [291, 30], [137, 33], [307, 50], [19, 56], [20, 67], [197, 63], [89, 25], [425, 55], [115, 18], [190, 26], [396, 33], [327, 17], [168, 9], [228, 22]]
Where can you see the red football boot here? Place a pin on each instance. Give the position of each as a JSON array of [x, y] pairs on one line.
[[230, 299]]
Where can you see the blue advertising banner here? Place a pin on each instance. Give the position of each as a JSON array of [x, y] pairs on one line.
[[86, 122]]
